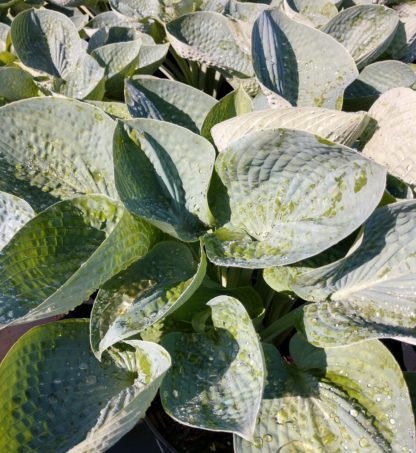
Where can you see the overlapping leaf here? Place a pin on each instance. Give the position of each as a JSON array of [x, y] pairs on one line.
[[55, 148], [305, 66], [339, 127], [210, 38], [288, 195], [375, 79], [233, 104], [392, 143], [162, 173], [59, 398], [167, 100], [15, 84], [365, 30], [145, 293], [354, 398], [318, 12], [403, 45], [216, 381], [65, 253], [14, 213], [47, 41], [371, 292]]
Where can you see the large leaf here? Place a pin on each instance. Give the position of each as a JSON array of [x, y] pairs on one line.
[[14, 213], [195, 308], [151, 56], [65, 253], [371, 292], [47, 41], [305, 66], [59, 398], [288, 195], [392, 144], [318, 11], [365, 30], [162, 173], [145, 293], [120, 60], [15, 84], [375, 79], [216, 381], [83, 80], [55, 148], [233, 104], [339, 127], [403, 45], [213, 39], [167, 100], [353, 398]]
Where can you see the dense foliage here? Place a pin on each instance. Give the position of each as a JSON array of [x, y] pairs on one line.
[[236, 180]]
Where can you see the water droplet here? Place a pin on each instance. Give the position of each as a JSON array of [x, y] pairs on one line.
[[91, 379], [354, 413], [268, 437], [57, 381], [258, 441], [364, 442], [175, 393], [392, 421], [83, 366]]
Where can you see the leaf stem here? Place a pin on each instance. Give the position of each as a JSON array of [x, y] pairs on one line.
[[282, 324]]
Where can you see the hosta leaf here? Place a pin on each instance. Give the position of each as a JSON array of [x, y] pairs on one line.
[[216, 380], [14, 213], [75, 15], [290, 195], [167, 100], [339, 127], [47, 41], [392, 143], [59, 398], [403, 45], [15, 84], [233, 104], [119, 60], [181, 319], [145, 293], [117, 110], [65, 253], [353, 398], [112, 19], [365, 31], [162, 173], [245, 11], [376, 79], [112, 35], [83, 80], [151, 57], [318, 11], [305, 66], [371, 292], [55, 148], [213, 39], [139, 9]]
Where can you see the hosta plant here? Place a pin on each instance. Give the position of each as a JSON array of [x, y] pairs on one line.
[[232, 185]]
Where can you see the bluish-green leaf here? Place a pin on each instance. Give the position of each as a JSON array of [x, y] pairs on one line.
[[162, 173], [59, 398], [305, 66], [353, 398], [288, 195], [167, 100], [145, 293], [216, 381], [65, 253]]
